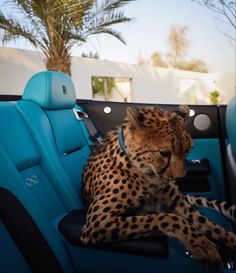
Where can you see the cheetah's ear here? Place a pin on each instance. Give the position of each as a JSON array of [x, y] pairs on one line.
[[183, 111], [134, 117]]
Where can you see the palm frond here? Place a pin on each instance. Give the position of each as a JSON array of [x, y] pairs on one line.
[[12, 30], [111, 32], [111, 5], [55, 26], [103, 16]]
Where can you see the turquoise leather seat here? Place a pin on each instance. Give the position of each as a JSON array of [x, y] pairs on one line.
[[231, 147], [47, 106], [43, 148], [28, 202]]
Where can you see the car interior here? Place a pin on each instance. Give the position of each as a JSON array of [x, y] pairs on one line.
[[46, 137]]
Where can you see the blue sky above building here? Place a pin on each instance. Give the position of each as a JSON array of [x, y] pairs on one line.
[[149, 32]]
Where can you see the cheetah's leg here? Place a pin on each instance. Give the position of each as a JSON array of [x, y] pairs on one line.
[[212, 230], [221, 206], [209, 228], [108, 228], [180, 206]]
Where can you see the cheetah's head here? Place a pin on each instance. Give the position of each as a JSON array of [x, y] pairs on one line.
[[157, 141]]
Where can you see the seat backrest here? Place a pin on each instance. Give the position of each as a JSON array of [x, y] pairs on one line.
[[47, 106], [28, 202], [231, 147]]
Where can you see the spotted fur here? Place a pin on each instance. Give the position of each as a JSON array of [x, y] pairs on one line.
[[130, 190], [221, 206]]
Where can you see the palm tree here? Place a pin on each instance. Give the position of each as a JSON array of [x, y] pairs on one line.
[[57, 26]]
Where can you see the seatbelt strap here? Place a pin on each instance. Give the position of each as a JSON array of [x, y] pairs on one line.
[[93, 132]]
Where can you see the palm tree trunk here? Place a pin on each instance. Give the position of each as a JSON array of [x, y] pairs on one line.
[[61, 63]]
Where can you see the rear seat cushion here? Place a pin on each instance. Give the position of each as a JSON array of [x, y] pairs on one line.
[[70, 226], [50, 90]]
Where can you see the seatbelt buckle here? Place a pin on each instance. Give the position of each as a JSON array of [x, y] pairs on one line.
[[79, 114], [93, 133]]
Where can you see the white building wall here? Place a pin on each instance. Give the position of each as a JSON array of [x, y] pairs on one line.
[[148, 84], [16, 67]]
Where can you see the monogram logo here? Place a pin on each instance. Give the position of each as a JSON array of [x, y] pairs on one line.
[[64, 90], [31, 181]]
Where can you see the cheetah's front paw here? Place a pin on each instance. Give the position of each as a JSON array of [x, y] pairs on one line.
[[205, 252]]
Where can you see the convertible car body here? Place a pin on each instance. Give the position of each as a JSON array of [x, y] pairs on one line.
[[46, 137]]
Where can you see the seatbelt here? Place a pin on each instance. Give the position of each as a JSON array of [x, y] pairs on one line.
[[93, 132]]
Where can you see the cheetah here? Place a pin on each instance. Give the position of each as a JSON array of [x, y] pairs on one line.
[[129, 187]]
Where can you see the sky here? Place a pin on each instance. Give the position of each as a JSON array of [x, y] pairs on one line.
[[149, 30]]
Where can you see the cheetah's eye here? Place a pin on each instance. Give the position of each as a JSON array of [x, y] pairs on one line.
[[165, 153]]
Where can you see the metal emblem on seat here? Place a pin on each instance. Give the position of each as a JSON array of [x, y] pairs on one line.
[[64, 90], [31, 181]]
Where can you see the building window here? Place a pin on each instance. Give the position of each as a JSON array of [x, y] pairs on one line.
[[111, 89]]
